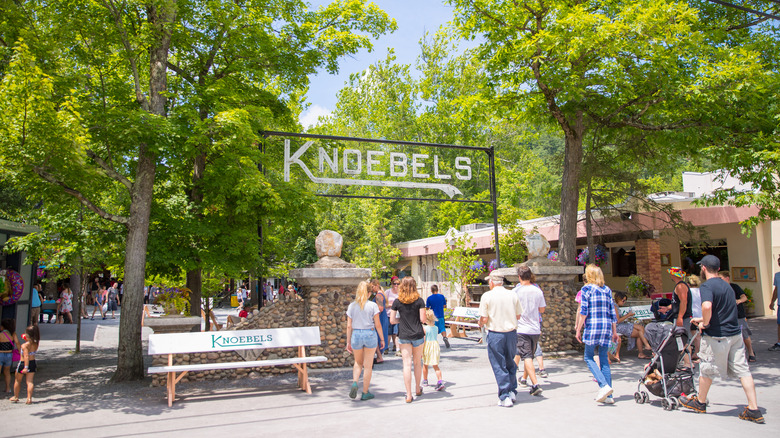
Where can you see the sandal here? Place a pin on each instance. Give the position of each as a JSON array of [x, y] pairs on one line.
[[409, 399], [419, 393], [29, 402], [13, 399]]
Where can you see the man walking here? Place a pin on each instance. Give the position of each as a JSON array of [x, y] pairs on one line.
[[35, 305], [529, 328], [722, 349], [499, 310], [772, 302], [437, 303]]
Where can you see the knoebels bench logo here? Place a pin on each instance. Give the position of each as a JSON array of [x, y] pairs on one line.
[[239, 341], [369, 163]]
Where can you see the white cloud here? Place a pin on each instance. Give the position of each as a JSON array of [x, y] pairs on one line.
[[309, 117]]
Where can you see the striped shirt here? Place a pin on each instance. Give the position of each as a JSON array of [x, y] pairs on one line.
[[598, 308]]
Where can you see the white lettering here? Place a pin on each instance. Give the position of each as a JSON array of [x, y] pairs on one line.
[[417, 165], [436, 173], [332, 163], [358, 160], [370, 162], [397, 159], [466, 167]]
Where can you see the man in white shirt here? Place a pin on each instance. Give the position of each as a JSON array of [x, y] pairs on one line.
[[529, 328], [499, 310]]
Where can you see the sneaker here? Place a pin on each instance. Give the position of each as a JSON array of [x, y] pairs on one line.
[[513, 396], [542, 373], [523, 382], [353, 390], [694, 404], [367, 396], [535, 390], [752, 415], [393, 347], [507, 402], [775, 347], [398, 353], [604, 392], [609, 401], [439, 385], [424, 383], [447, 342]]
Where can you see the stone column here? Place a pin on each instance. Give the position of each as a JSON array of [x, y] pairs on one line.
[[648, 262]]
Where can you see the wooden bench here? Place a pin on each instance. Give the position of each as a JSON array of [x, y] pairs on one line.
[[465, 318], [208, 342]]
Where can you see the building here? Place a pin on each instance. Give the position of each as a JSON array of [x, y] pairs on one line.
[[643, 241], [16, 261]]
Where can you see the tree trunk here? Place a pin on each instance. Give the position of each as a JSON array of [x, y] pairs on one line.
[[194, 284], [130, 364], [589, 225], [570, 196]]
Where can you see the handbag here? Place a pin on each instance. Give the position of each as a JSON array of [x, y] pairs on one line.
[[16, 356], [105, 307]]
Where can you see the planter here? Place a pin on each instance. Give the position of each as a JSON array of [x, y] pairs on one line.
[[173, 324]]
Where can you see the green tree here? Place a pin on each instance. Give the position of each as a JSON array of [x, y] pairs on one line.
[[455, 263], [642, 66], [104, 100]]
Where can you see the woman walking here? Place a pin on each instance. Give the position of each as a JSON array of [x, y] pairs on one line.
[[384, 320], [597, 317], [362, 328], [409, 313]]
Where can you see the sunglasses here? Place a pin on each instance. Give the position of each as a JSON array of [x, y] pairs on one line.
[[396, 284]]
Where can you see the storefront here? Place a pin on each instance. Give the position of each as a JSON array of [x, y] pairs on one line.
[[18, 309]]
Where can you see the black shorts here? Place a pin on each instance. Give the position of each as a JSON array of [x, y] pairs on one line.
[[526, 345], [31, 367]]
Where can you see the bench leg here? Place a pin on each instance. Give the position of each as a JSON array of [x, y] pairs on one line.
[[171, 388], [303, 372]]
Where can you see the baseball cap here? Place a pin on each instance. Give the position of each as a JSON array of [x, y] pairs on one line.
[[494, 277], [710, 262]]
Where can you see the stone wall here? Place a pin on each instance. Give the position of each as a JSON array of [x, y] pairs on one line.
[[324, 306], [559, 315]]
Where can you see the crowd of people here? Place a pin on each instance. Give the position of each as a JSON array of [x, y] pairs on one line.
[[709, 311]]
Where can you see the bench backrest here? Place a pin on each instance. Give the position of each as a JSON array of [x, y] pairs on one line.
[[466, 312], [640, 312], [204, 342]]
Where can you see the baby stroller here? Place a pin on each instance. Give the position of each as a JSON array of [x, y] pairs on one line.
[[664, 376]]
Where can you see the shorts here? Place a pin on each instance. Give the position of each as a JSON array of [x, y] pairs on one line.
[[32, 366], [392, 330], [746, 332], [440, 325], [6, 359], [414, 342], [526, 345], [111, 306], [723, 356], [363, 338]]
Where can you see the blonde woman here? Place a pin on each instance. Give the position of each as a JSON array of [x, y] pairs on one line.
[[598, 318], [362, 328], [409, 313]]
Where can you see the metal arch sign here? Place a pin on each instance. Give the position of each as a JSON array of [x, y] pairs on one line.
[[355, 162], [397, 163]]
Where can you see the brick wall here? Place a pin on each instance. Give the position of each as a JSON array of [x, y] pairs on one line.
[[648, 261]]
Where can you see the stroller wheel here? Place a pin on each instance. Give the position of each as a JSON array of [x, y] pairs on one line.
[[668, 403], [638, 398], [675, 403], [645, 397]]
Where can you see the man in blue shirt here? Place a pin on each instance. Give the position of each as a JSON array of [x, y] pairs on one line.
[[437, 303], [35, 305], [772, 302]]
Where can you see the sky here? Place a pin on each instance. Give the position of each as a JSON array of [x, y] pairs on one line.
[[414, 18]]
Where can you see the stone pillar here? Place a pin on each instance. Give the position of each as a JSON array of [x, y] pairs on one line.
[[648, 262]]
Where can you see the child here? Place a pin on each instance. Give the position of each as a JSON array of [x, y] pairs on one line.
[[27, 365], [244, 313], [9, 344], [431, 349]]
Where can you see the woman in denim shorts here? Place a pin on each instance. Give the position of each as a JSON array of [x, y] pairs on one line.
[[362, 328], [409, 313]]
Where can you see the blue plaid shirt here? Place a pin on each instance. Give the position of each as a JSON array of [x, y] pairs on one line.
[[599, 310]]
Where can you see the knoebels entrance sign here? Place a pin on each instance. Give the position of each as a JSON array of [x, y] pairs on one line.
[[426, 168]]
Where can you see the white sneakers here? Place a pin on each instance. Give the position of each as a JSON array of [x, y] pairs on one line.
[[604, 392], [507, 402], [513, 397]]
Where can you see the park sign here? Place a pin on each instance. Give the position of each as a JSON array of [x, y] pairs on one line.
[[173, 343]]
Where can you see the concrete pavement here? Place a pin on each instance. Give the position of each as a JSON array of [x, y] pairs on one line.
[[80, 400]]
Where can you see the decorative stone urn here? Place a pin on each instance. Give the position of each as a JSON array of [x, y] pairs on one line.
[[330, 269], [537, 245]]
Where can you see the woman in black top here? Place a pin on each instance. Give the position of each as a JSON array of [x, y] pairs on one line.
[[409, 313]]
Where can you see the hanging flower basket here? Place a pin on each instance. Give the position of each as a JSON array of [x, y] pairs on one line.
[[552, 255], [602, 255]]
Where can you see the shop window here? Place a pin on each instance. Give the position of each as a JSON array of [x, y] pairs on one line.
[[623, 262], [691, 253]]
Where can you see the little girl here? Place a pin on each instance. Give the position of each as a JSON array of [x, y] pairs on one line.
[[27, 365], [431, 349]]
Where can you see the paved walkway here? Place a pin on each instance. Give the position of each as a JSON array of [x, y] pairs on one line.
[[79, 400]]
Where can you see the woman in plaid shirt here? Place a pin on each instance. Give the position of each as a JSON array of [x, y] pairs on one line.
[[597, 315]]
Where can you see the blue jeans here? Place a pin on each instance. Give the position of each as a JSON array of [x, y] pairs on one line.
[[384, 321], [600, 372], [501, 347], [364, 338]]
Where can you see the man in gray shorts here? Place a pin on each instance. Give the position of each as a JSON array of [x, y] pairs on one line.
[[529, 325], [722, 348]]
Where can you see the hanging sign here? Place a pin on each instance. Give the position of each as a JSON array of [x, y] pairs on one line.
[[369, 163]]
